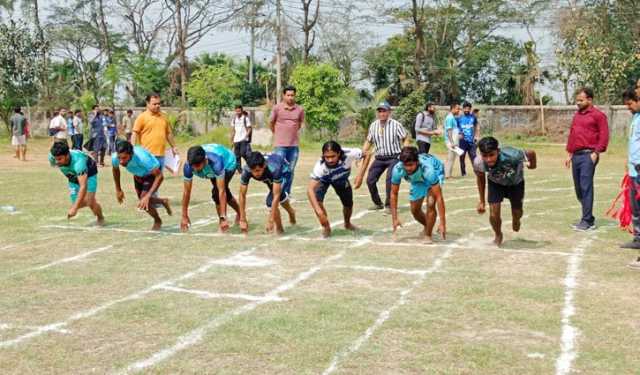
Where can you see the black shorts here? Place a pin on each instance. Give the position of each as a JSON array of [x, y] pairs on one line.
[[515, 194], [342, 188], [143, 184], [228, 175]]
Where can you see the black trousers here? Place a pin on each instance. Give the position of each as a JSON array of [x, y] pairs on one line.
[[584, 169], [76, 141], [242, 150], [423, 147], [377, 169]]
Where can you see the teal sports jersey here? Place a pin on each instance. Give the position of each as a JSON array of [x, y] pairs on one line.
[[509, 169], [430, 172], [79, 164], [228, 157], [141, 164], [214, 169]]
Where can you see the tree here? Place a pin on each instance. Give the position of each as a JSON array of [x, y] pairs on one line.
[[214, 89], [322, 94], [145, 74], [19, 55], [599, 46]]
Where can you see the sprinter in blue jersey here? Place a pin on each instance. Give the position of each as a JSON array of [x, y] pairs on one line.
[[147, 178], [275, 172], [333, 170], [82, 173], [426, 175], [217, 164]]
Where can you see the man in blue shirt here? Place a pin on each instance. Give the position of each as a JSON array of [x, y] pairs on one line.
[[217, 164], [275, 172], [98, 138], [147, 178], [632, 101], [469, 131], [426, 175], [82, 173], [451, 137]]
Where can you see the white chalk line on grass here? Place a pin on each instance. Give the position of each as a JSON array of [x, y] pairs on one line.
[[46, 238], [214, 295], [94, 311], [386, 314], [197, 335], [568, 351], [4, 327], [381, 269]]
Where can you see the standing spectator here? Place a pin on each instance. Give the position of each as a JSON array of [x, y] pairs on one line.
[[451, 137], [109, 121], [78, 137], [240, 136], [94, 111], [19, 137], [426, 128], [153, 131], [98, 140], [70, 129], [387, 136], [287, 118], [588, 137], [468, 124], [127, 124], [632, 101], [58, 126]]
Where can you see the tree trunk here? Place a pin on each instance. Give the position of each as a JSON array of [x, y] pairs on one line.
[[181, 41], [418, 21], [279, 50], [103, 30]]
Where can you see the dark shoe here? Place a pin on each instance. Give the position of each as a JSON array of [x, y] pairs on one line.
[[635, 265], [631, 245], [584, 227]]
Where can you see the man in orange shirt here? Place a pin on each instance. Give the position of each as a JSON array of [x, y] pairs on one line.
[[152, 130]]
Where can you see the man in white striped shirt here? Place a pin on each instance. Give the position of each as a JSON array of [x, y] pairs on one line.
[[387, 136]]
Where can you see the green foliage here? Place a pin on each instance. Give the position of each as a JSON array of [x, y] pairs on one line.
[[322, 94], [146, 74], [19, 51], [214, 89], [408, 109], [86, 101]]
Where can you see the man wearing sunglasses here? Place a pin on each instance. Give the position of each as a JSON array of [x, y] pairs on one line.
[[387, 136]]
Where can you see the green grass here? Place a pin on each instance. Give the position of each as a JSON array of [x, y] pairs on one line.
[[483, 311]]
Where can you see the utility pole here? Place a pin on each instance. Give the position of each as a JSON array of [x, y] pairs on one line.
[[279, 50]]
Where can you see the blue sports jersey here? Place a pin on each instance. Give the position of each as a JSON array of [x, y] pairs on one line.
[[277, 171], [141, 164], [214, 169], [467, 125], [228, 157], [79, 164]]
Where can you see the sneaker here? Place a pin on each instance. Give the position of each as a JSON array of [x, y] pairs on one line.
[[376, 207], [635, 244], [635, 265], [574, 225], [584, 227]]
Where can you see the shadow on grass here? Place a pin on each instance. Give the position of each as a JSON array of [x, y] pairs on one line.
[[522, 243]]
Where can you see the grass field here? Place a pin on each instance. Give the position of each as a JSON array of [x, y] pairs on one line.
[[121, 299]]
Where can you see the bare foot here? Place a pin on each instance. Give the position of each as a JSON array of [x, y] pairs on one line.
[[100, 222], [498, 240], [349, 226], [516, 225], [326, 232], [237, 220], [156, 225], [167, 207]]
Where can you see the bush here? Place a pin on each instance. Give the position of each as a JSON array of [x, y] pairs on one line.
[[322, 94], [409, 108]]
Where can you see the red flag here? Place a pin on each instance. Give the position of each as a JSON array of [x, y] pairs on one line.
[[623, 213]]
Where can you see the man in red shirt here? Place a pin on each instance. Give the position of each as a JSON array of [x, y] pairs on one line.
[[588, 137]]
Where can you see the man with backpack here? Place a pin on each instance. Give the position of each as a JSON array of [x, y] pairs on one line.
[[241, 136], [425, 128]]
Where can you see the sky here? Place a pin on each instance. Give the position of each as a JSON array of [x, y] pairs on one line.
[[236, 43]]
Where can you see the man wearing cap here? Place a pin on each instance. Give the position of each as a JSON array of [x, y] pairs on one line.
[[387, 136]]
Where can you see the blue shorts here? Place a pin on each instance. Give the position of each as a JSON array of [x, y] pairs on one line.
[[74, 189], [418, 191]]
